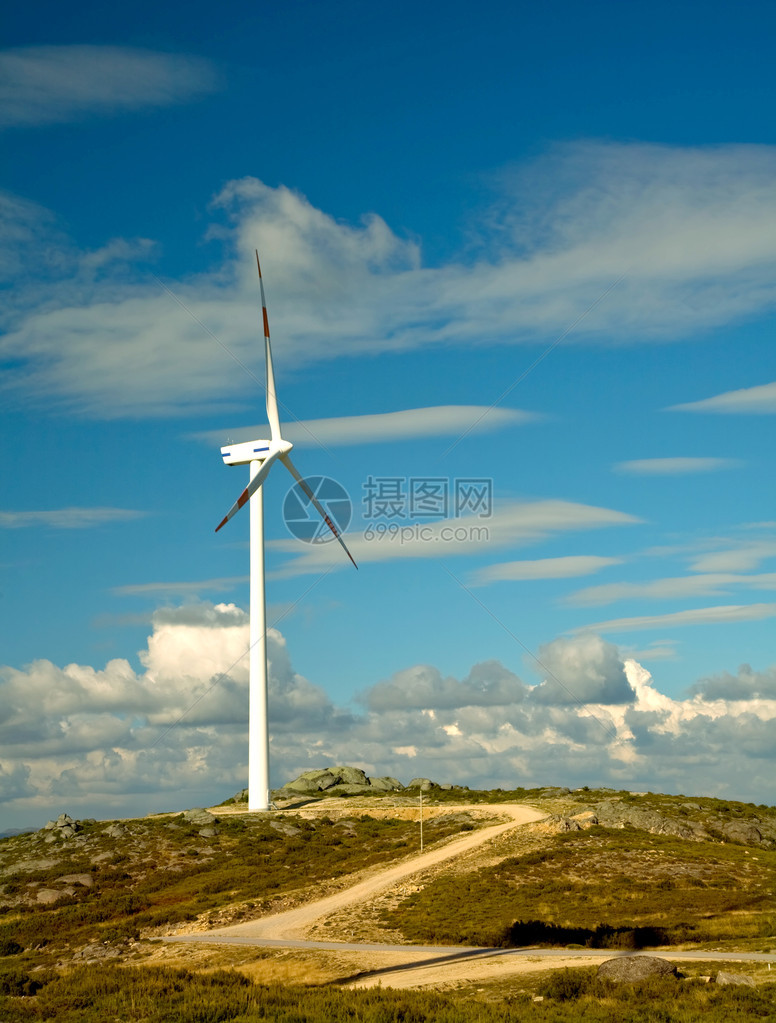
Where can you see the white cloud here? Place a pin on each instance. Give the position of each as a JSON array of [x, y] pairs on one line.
[[181, 589], [749, 400], [564, 230], [45, 84], [697, 616], [113, 742], [423, 686], [581, 670], [568, 567], [384, 427], [511, 523], [675, 466], [710, 584], [742, 556], [67, 518]]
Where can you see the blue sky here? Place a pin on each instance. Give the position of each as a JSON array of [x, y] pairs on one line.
[[537, 244]]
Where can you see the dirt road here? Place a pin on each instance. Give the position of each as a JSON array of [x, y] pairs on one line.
[[405, 966], [295, 923]]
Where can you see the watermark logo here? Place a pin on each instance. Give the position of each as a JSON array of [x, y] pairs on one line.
[[408, 498], [302, 518]]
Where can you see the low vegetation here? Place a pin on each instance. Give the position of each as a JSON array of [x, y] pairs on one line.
[[602, 888], [166, 995], [163, 872], [625, 885]]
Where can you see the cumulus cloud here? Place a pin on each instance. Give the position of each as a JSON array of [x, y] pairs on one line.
[[488, 685], [583, 669], [561, 232], [675, 466], [46, 84], [746, 684], [760, 399], [112, 741]]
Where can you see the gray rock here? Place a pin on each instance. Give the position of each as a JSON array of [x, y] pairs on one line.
[[424, 784], [85, 880], [48, 896], [97, 953], [208, 832], [115, 831], [301, 786], [735, 978], [352, 776], [200, 816], [386, 784], [285, 829], [564, 823], [625, 969], [742, 832]]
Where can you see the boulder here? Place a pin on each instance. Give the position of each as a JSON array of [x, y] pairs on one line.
[[351, 775], [386, 784], [85, 880], [198, 815], [63, 827], [742, 832], [285, 829], [48, 896], [626, 969], [302, 786], [735, 978], [322, 779], [424, 784]]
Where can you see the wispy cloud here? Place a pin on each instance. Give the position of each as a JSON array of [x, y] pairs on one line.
[[699, 616], [562, 231], [67, 518], [752, 400], [184, 589], [384, 427], [568, 567], [705, 585], [45, 84], [675, 466], [512, 522]]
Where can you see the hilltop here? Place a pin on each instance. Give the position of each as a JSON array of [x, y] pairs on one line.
[[600, 869]]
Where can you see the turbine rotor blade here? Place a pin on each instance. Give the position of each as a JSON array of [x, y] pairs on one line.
[[314, 501], [251, 489], [272, 401]]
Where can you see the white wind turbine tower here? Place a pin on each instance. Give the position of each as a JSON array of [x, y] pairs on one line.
[[260, 455]]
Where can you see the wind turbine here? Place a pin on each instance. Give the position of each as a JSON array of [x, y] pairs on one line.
[[260, 456]]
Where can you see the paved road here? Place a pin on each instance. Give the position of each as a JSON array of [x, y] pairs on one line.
[[439, 953]]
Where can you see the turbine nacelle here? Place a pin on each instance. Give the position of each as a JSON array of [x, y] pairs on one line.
[[253, 451]]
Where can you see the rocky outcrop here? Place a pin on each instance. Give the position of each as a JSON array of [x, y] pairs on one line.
[[63, 827], [336, 781], [615, 814], [626, 969]]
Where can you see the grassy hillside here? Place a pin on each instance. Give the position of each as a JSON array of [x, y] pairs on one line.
[[654, 869], [603, 888]]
